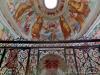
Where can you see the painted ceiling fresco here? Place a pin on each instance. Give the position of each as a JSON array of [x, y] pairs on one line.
[[6, 32], [32, 20]]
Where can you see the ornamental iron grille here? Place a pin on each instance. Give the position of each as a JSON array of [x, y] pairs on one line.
[[75, 57]]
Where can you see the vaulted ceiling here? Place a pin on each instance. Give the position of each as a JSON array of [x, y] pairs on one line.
[[32, 20]]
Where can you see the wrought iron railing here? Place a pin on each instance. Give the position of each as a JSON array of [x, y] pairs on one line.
[[81, 57]]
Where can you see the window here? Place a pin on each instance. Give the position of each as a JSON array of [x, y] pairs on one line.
[[50, 4]]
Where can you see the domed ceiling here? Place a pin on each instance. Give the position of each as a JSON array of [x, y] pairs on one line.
[[34, 20]]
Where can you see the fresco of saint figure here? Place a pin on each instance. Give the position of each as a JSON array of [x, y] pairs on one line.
[[52, 68]]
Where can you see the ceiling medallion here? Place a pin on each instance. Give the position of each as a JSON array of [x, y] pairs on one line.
[[68, 19]]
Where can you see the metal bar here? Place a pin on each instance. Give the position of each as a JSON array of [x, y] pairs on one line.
[[76, 66], [89, 58], [75, 47], [28, 62], [65, 59], [67, 41], [2, 58], [99, 48], [65, 55], [38, 56]]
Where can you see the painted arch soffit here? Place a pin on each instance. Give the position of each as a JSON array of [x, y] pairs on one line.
[[6, 32], [32, 20]]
